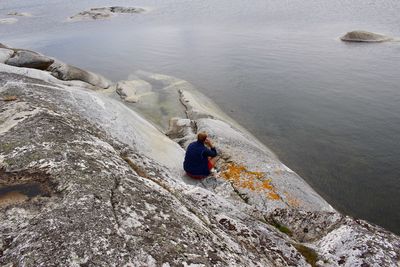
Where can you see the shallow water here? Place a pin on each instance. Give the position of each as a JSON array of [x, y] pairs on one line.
[[330, 110]]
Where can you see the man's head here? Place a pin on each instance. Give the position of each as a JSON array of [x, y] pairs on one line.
[[201, 137]]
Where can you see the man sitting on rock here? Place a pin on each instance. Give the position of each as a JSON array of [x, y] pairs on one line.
[[199, 160]]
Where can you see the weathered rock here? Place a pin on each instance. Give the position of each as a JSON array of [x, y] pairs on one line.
[[66, 72], [5, 54], [364, 36], [8, 21], [112, 190], [104, 13], [29, 59], [106, 194], [131, 91]]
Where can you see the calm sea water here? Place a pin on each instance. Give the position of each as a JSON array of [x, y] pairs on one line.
[[330, 110]]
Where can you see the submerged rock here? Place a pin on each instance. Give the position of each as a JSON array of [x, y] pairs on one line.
[[8, 21], [29, 59], [104, 12], [364, 36], [131, 91]]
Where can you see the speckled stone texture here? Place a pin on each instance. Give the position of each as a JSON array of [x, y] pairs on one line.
[[113, 192]]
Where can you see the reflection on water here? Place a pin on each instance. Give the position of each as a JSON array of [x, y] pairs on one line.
[[330, 110]]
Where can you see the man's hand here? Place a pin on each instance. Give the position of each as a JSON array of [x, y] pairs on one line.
[[208, 142]]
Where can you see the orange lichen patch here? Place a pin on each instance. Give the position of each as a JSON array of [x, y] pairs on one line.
[[240, 177], [249, 184], [292, 201], [273, 195], [266, 184]]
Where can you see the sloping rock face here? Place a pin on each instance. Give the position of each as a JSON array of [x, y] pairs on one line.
[[109, 189], [364, 36], [110, 205], [104, 13]]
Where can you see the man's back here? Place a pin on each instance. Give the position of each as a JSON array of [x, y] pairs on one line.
[[196, 159]]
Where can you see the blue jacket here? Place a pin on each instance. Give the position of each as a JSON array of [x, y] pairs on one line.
[[196, 158]]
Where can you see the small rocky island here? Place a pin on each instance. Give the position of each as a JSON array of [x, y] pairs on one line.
[[105, 13], [364, 36], [91, 175]]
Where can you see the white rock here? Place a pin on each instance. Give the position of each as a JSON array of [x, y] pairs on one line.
[[5, 54], [8, 21]]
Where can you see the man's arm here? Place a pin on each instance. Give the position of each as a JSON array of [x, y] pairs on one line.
[[212, 152]]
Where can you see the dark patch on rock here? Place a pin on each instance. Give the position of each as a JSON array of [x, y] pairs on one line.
[[227, 224], [309, 254], [14, 186]]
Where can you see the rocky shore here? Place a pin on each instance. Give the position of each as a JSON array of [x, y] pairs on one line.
[[91, 175]]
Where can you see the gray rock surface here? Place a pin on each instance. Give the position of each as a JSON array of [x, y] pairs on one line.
[[364, 36], [109, 189], [5, 54], [29, 59], [104, 13], [67, 72]]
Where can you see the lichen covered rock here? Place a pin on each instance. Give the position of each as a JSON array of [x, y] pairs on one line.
[[87, 181]]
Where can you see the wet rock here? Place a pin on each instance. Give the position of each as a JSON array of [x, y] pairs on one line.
[[5, 54], [131, 91], [104, 13], [66, 72], [29, 59], [8, 21], [364, 36]]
